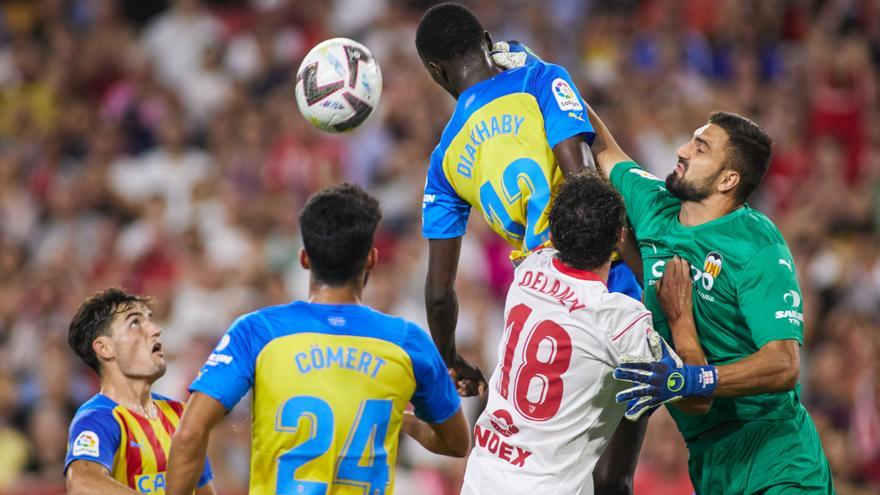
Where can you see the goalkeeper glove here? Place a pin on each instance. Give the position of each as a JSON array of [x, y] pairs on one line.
[[664, 380], [511, 54]]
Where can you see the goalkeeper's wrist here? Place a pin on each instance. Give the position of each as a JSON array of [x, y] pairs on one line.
[[700, 381]]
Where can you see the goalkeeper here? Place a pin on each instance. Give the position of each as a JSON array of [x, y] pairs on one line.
[[732, 306]]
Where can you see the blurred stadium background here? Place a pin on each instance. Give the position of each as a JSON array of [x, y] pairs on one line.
[[156, 145]]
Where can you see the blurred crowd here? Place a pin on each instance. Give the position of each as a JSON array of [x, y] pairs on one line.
[[156, 145]]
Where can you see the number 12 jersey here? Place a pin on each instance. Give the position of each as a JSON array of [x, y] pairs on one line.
[[551, 410], [496, 154]]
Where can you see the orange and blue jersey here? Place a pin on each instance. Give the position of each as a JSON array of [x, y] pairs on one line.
[[330, 386], [133, 448], [496, 155]]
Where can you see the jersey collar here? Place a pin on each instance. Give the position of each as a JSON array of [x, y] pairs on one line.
[[575, 272]]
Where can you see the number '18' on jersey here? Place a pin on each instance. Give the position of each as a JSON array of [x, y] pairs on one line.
[[551, 409]]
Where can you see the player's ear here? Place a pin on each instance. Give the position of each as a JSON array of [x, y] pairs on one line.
[[304, 260], [372, 258], [103, 348], [729, 181], [488, 39]]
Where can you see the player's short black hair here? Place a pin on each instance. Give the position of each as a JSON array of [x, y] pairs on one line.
[[93, 319], [337, 225], [749, 149], [586, 220], [448, 31]]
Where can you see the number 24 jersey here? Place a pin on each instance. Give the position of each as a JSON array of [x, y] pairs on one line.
[[551, 410], [330, 385]]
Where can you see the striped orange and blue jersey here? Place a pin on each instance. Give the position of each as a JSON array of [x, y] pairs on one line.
[[330, 384], [133, 448]]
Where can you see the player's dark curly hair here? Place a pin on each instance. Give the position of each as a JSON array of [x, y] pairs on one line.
[[585, 220], [448, 31], [93, 318], [749, 149], [337, 225]]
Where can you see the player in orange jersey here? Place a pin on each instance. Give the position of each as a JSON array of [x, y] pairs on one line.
[[120, 439]]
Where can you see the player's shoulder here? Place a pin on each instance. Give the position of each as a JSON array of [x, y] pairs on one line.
[[619, 312], [761, 232], [97, 411], [98, 404], [174, 403]]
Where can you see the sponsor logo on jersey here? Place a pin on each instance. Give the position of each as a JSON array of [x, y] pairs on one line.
[[429, 198], [151, 483], [565, 96], [703, 280], [712, 265], [675, 382], [86, 443], [490, 441], [336, 321], [786, 264], [793, 316], [215, 358], [502, 421], [577, 116]]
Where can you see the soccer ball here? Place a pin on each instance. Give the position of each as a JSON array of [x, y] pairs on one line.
[[338, 85]]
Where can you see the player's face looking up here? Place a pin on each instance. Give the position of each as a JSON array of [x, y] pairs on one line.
[[134, 343]]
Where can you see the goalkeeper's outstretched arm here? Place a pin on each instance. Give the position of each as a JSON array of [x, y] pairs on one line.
[[606, 151]]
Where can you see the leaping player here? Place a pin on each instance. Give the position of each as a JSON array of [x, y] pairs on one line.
[[514, 136]]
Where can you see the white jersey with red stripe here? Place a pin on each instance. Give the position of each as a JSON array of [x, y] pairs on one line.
[[551, 409]]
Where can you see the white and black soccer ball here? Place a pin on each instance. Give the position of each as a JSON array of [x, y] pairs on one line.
[[338, 85]]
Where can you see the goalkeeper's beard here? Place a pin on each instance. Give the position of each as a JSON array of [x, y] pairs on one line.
[[687, 190]]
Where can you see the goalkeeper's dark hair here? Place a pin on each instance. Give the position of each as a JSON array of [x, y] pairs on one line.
[[447, 32], [337, 225], [93, 319], [749, 149], [586, 220]]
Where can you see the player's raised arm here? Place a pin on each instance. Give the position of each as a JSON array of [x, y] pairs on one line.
[[605, 149], [189, 446]]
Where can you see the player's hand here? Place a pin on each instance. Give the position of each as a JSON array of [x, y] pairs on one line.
[[505, 58], [469, 379], [664, 380], [674, 290]]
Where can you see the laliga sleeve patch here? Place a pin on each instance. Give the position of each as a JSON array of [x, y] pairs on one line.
[[565, 96], [86, 443]]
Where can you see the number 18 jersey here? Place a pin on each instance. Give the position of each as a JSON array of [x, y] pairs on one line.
[[551, 409]]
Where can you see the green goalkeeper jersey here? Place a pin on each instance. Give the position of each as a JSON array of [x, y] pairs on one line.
[[745, 290]]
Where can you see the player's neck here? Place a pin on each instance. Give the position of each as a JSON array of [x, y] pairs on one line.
[[474, 72], [341, 294], [695, 213], [133, 394]]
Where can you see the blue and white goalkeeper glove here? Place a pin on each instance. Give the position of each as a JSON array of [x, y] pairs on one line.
[[663, 380]]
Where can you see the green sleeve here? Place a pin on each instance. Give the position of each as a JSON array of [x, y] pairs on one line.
[[770, 298], [642, 192]]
